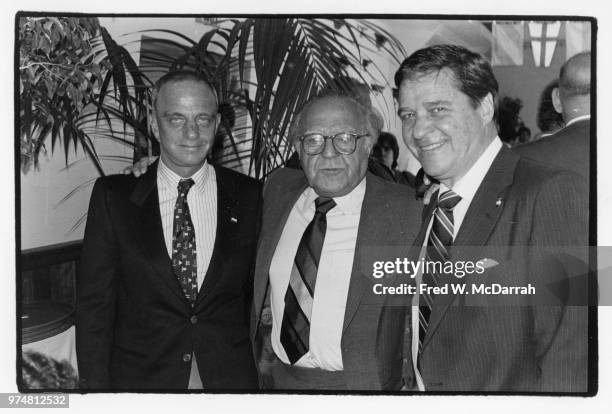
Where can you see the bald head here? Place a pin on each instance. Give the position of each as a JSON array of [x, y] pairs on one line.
[[573, 96]]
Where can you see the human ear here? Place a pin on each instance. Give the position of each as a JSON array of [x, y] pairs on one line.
[[217, 121], [556, 100], [487, 108], [155, 127]]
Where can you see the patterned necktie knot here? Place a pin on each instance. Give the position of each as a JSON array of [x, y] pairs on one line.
[[323, 205], [184, 185], [448, 200]]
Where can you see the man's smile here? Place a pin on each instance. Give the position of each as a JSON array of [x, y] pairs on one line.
[[431, 147]]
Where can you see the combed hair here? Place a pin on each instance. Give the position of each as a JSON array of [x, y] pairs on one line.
[[179, 76], [471, 71]]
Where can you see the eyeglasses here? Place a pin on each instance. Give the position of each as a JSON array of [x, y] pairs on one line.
[[343, 142]]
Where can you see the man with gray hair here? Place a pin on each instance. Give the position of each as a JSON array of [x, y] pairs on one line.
[[166, 262], [323, 226], [569, 148]]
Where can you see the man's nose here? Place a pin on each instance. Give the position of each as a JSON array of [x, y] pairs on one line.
[[422, 126], [328, 149], [192, 130]]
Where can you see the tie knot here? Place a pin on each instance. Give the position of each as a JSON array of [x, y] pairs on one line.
[[448, 200], [323, 205], [184, 186]]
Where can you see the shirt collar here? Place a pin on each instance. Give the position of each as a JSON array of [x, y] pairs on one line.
[[578, 118], [170, 179], [467, 185], [347, 204]]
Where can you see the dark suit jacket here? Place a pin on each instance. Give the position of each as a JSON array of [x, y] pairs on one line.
[[568, 149], [134, 326], [372, 339], [522, 216]]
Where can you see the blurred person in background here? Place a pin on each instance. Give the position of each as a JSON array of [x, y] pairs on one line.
[[569, 147], [386, 151], [510, 127], [548, 119]]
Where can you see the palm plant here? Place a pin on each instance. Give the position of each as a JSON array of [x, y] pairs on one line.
[[57, 75], [291, 60]]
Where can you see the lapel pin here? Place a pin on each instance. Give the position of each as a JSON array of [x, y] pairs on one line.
[[498, 202], [234, 219]]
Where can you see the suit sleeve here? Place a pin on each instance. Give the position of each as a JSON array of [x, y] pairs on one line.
[[561, 225], [96, 293], [255, 200]]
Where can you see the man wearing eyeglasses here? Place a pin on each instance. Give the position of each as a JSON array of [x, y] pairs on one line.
[[316, 318]]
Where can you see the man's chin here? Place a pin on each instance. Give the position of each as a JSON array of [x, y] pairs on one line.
[[434, 169], [331, 191]]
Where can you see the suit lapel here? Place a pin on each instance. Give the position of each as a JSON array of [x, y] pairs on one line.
[[488, 202], [227, 220], [148, 225], [478, 224], [368, 234], [276, 212]]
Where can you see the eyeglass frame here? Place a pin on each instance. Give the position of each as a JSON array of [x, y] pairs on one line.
[[332, 137]]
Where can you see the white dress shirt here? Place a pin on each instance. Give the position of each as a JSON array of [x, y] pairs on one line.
[[202, 201], [465, 187], [333, 276]]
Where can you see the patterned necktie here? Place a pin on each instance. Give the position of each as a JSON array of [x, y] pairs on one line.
[[438, 243], [295, 329], [184, 244]]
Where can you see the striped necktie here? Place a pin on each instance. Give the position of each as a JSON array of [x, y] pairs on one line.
[[438, 244], [295, 329], [184, 244]]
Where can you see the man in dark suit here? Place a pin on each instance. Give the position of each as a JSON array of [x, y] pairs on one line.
[[337, 336], [164, 283], [509, 216], [569, 147]]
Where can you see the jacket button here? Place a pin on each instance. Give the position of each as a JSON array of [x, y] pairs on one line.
[[186, 357], [193, 320]]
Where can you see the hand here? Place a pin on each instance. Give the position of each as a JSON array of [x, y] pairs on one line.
[[430, 191], [140, 167]]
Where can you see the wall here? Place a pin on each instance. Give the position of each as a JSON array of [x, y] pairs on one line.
[[45, 218], [527, 82]]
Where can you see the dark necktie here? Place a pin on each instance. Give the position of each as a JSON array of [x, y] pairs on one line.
[[295, 329], [184, 244], [438, 243]]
